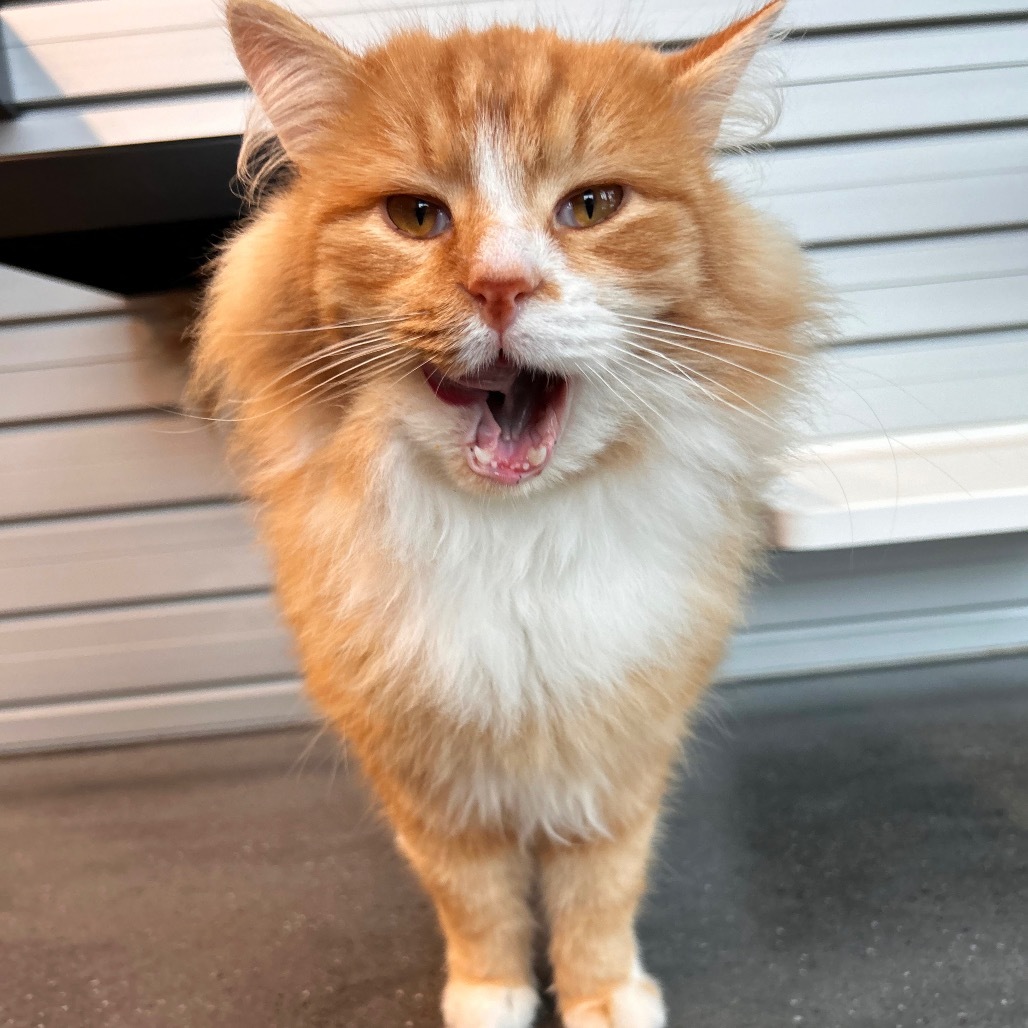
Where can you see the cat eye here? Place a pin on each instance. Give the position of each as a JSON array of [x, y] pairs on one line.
[[590, 206], [417, 217]]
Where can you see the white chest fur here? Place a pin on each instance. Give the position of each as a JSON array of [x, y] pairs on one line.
[[539, 604]]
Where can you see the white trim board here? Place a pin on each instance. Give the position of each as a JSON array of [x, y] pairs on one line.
[[917, 440], [909, 486]]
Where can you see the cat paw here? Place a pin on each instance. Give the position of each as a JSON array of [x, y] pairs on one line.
[[475, 1005], [636, 1004]]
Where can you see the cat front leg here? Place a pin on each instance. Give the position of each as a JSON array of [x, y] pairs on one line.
[[591, 892], [480, 889]]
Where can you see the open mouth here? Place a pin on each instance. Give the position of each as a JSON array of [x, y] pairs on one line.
[[519, 414]]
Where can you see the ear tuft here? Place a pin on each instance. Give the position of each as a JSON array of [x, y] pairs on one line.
[[708, 73], [299, 75]]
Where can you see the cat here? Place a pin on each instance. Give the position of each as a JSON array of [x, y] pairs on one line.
[[507, 366]]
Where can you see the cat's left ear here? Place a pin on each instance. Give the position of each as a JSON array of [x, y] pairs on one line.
[[300, 76], [708, 72]]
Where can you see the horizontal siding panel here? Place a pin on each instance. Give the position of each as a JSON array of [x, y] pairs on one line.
[[910, 103], [188, 55], [109, 464], [895, 312], [207, 711], [929, 287], [833, 647], [829, 167], [34, 23], [890, 188], [193, 58], [156, 646], [918, 51], [125, 123], [989, 255], [890, 581], [896, 387], [833, 110], [125, 558], [903, 209], [25, 295], [95, 389], [92, 366], [88, 340]]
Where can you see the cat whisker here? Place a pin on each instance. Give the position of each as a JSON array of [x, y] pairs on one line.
[[373, 365], [673, 329], [637, 334], [360, 323], [336, 356], [323, 390], [624, 385], [324, 386], [692, 374]]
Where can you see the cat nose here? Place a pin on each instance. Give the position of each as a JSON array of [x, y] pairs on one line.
[[498, 297]]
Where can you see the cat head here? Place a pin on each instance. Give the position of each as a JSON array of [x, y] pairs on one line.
[[503, 252]]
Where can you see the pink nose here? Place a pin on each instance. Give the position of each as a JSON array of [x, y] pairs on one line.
[[499, 296]]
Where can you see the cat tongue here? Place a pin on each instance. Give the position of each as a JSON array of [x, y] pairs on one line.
[[517, 430]]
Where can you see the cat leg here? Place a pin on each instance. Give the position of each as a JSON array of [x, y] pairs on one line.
[[591, 891], [480, 891]]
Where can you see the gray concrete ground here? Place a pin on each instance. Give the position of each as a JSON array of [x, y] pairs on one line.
[[819, 870]]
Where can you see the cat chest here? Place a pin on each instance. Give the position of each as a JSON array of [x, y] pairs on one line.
[[499, 629]]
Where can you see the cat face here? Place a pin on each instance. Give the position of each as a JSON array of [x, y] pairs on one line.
[[500, 223]]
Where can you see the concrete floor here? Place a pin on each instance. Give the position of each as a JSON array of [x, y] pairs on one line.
[[819, 870]]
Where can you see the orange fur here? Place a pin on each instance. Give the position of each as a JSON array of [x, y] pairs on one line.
[[326, 443]]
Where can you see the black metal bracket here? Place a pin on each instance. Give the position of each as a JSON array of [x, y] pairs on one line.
[[128, 218], [7, 108]]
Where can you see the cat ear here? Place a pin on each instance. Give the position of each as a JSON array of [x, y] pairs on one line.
[[299, 75], [708, 72]]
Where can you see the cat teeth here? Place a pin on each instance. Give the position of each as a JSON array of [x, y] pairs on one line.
[[482, 456], [536, 455]]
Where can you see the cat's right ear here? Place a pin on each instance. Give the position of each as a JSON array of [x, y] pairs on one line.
[[708, 73], [299, 75]]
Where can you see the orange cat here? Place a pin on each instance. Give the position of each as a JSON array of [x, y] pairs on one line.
[[506, 363]]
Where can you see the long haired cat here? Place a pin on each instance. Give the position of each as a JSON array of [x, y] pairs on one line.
[[506, 362]]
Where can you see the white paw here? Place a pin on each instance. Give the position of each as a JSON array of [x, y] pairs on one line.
[[470, 1005], [636, 1004]]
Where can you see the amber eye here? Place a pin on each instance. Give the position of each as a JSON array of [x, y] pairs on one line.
[[417, 217], [590, 206]]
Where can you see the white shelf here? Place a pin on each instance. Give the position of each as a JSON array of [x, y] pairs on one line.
[[915, 441]]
